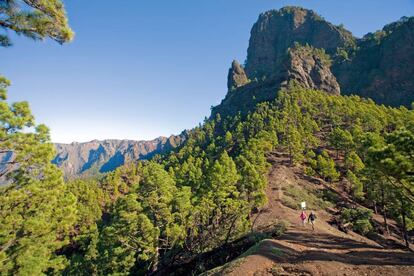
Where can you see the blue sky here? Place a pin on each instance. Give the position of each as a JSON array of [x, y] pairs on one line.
[[143, 69]]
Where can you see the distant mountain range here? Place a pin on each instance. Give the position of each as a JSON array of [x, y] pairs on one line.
[[287, 44], [290, 44], [94, 157]]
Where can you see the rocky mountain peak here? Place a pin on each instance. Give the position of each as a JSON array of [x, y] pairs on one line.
[[277, 30], [296, 44]]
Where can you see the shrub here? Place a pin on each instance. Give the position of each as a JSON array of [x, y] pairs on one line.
[[294, 195], [309, 171], [290, 202], [359, 219], [357, 187], [326, 167], [363, 227], [279, 228], [328, 195]]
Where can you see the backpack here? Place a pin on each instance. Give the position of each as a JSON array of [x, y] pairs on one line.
[[312, 217]]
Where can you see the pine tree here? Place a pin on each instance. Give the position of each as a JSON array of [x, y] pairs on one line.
[[36, 19], [379, 192], [156, 194], [37, 213], [353, 162], [252, 183], [357, 187], [395, 163], [341, 140], [130, 238], [326, 167], [221, 212]]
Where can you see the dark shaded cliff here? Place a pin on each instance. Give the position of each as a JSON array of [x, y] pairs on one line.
[[381, 66]]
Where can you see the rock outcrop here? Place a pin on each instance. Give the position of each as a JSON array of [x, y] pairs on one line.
[[297, 44], [381, 66], [237, 76], [94, 157], [284, 46], [5, 166], [310, 67], [278, 30]]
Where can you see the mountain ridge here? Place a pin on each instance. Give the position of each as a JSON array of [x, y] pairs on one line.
[[296, 44], [101, 156], [230, 196], [289, 44]]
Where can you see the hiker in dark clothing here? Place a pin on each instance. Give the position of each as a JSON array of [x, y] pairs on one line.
[[311, 220]]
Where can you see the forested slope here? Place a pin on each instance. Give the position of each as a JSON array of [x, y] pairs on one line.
[[191, 209], [164, 213]]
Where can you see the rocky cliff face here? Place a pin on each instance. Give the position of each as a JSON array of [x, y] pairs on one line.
[[278, 30], [310, 67], [381, 66], [96, 157], [285, 45], [237, 76], [297, 44]]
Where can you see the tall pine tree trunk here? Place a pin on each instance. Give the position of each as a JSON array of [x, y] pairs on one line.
[[154, 267], [405, 236], [405, 230], [156, 258], [290, 155], [384, 210]]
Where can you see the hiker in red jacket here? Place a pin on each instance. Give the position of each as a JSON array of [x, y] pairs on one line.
[[303, 218]]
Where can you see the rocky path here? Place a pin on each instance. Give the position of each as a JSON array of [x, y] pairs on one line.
[[324, 251], [303, 252]]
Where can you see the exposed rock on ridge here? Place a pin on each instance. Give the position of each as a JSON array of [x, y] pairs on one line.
[[381, 66], [297, 44], [278, 30], [283, 47], [237, 76], [95, 157], [311, 68], [308, 66]]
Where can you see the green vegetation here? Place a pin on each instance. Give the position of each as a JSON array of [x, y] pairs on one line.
[[37, 211], [36, 19], [359, 219], [307, 50], [328, 196], [326, 167], [293, 195], [149, 215], [172, 209], [387, 30]]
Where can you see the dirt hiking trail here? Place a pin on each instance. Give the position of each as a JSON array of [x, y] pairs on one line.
[[301, 251]]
